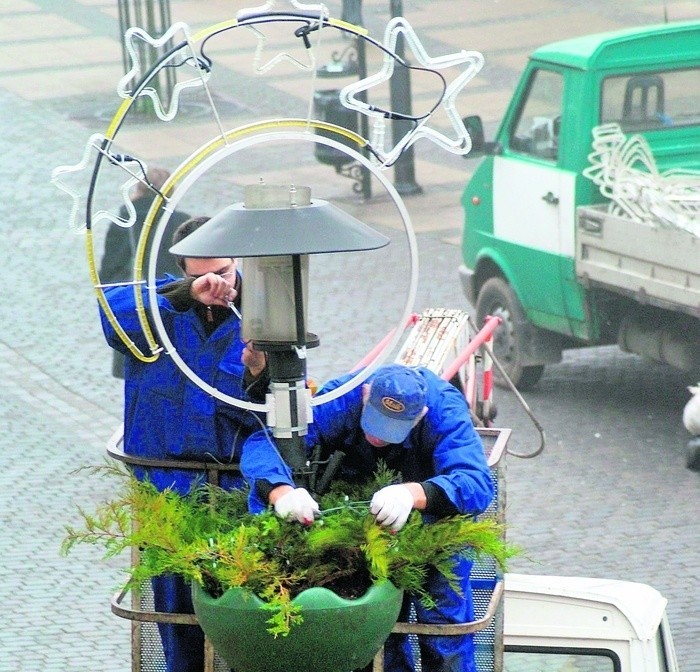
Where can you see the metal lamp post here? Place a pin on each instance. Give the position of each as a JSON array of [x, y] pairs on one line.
[[154, 17], [400, 94], [274, 230]]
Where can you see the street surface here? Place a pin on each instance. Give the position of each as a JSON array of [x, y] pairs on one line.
[[609, 496]]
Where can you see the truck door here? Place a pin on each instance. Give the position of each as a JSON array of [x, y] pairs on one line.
[[534, 200]]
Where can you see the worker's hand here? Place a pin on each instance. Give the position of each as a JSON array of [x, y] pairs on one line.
[[392, 506], [297, 504], [212, 290], [253, 359]]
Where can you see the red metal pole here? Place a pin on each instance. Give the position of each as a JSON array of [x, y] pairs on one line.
[[412, 319], [472, 346]]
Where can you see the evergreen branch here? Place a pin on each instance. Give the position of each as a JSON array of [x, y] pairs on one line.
[[209, 537]]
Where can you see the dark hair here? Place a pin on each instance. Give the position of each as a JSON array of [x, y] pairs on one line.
[[155, 179], [184, 230]]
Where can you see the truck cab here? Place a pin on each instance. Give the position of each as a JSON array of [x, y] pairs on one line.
[[520, 206], [577, 624]]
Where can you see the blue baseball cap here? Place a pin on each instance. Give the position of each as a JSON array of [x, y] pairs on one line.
[[397, 397]]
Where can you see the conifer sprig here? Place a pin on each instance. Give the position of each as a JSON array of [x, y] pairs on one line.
[[209, 537]]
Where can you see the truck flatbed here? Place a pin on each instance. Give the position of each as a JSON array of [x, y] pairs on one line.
[[654, 265]]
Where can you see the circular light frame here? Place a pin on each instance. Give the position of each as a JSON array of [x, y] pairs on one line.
[[186, 176]]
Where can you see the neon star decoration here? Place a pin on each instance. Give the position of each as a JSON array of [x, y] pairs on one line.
[[472, 61], [93, 147], [184, 56], [283, 56], [316, 10]]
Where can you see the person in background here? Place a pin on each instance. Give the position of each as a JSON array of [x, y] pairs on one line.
[[419, 426], [117, 264], [169, 417]]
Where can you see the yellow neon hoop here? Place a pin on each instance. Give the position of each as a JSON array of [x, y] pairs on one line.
[[209, 155], [112, 130]]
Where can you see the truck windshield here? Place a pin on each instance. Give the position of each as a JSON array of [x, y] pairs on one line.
[[536, 131], [644, 102], [544, 659]]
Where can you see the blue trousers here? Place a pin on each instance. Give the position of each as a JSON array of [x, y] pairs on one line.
[[183, 645], [437, 653]]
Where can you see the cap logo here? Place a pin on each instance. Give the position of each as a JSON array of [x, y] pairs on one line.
[[393, 405]]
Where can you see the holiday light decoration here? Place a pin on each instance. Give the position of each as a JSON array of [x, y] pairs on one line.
[[310, 22], [472, 61], [282, 57], [63, 176], [182, 55], [314, 10]]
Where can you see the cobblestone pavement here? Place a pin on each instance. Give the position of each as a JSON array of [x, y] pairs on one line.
[[608, 497]]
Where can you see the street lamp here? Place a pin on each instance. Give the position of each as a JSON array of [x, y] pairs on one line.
[[274, 230]]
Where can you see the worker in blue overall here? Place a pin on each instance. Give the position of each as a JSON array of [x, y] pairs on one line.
[[419, 425], [167, 416]]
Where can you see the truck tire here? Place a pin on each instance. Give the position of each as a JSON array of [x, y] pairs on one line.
[[693, 454], [496, 298]]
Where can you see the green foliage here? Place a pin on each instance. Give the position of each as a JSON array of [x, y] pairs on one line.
[[209, 537]]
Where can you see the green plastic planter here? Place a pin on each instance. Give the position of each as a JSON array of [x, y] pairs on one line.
[[337, 635]]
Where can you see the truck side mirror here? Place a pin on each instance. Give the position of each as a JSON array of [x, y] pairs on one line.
[[475, 128]]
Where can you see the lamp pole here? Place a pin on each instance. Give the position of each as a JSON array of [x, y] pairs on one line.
[[400, 94], [351, 11], [286, 357], [287, 368], [275, 230], [154, 17]]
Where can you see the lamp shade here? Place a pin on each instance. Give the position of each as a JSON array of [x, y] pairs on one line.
[[315, 228]]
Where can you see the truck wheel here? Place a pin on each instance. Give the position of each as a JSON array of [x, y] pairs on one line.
[[496, 298], [693, 454]]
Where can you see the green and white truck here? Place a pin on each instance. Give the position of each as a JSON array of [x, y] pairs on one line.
[[543, 249], [577, 624]]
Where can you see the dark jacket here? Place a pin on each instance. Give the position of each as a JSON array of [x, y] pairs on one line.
[[120, 245]]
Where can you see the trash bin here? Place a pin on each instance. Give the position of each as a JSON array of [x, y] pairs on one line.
[[327, 107]]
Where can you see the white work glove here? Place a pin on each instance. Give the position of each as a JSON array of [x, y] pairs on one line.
[[297, 504], [392, 506]]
